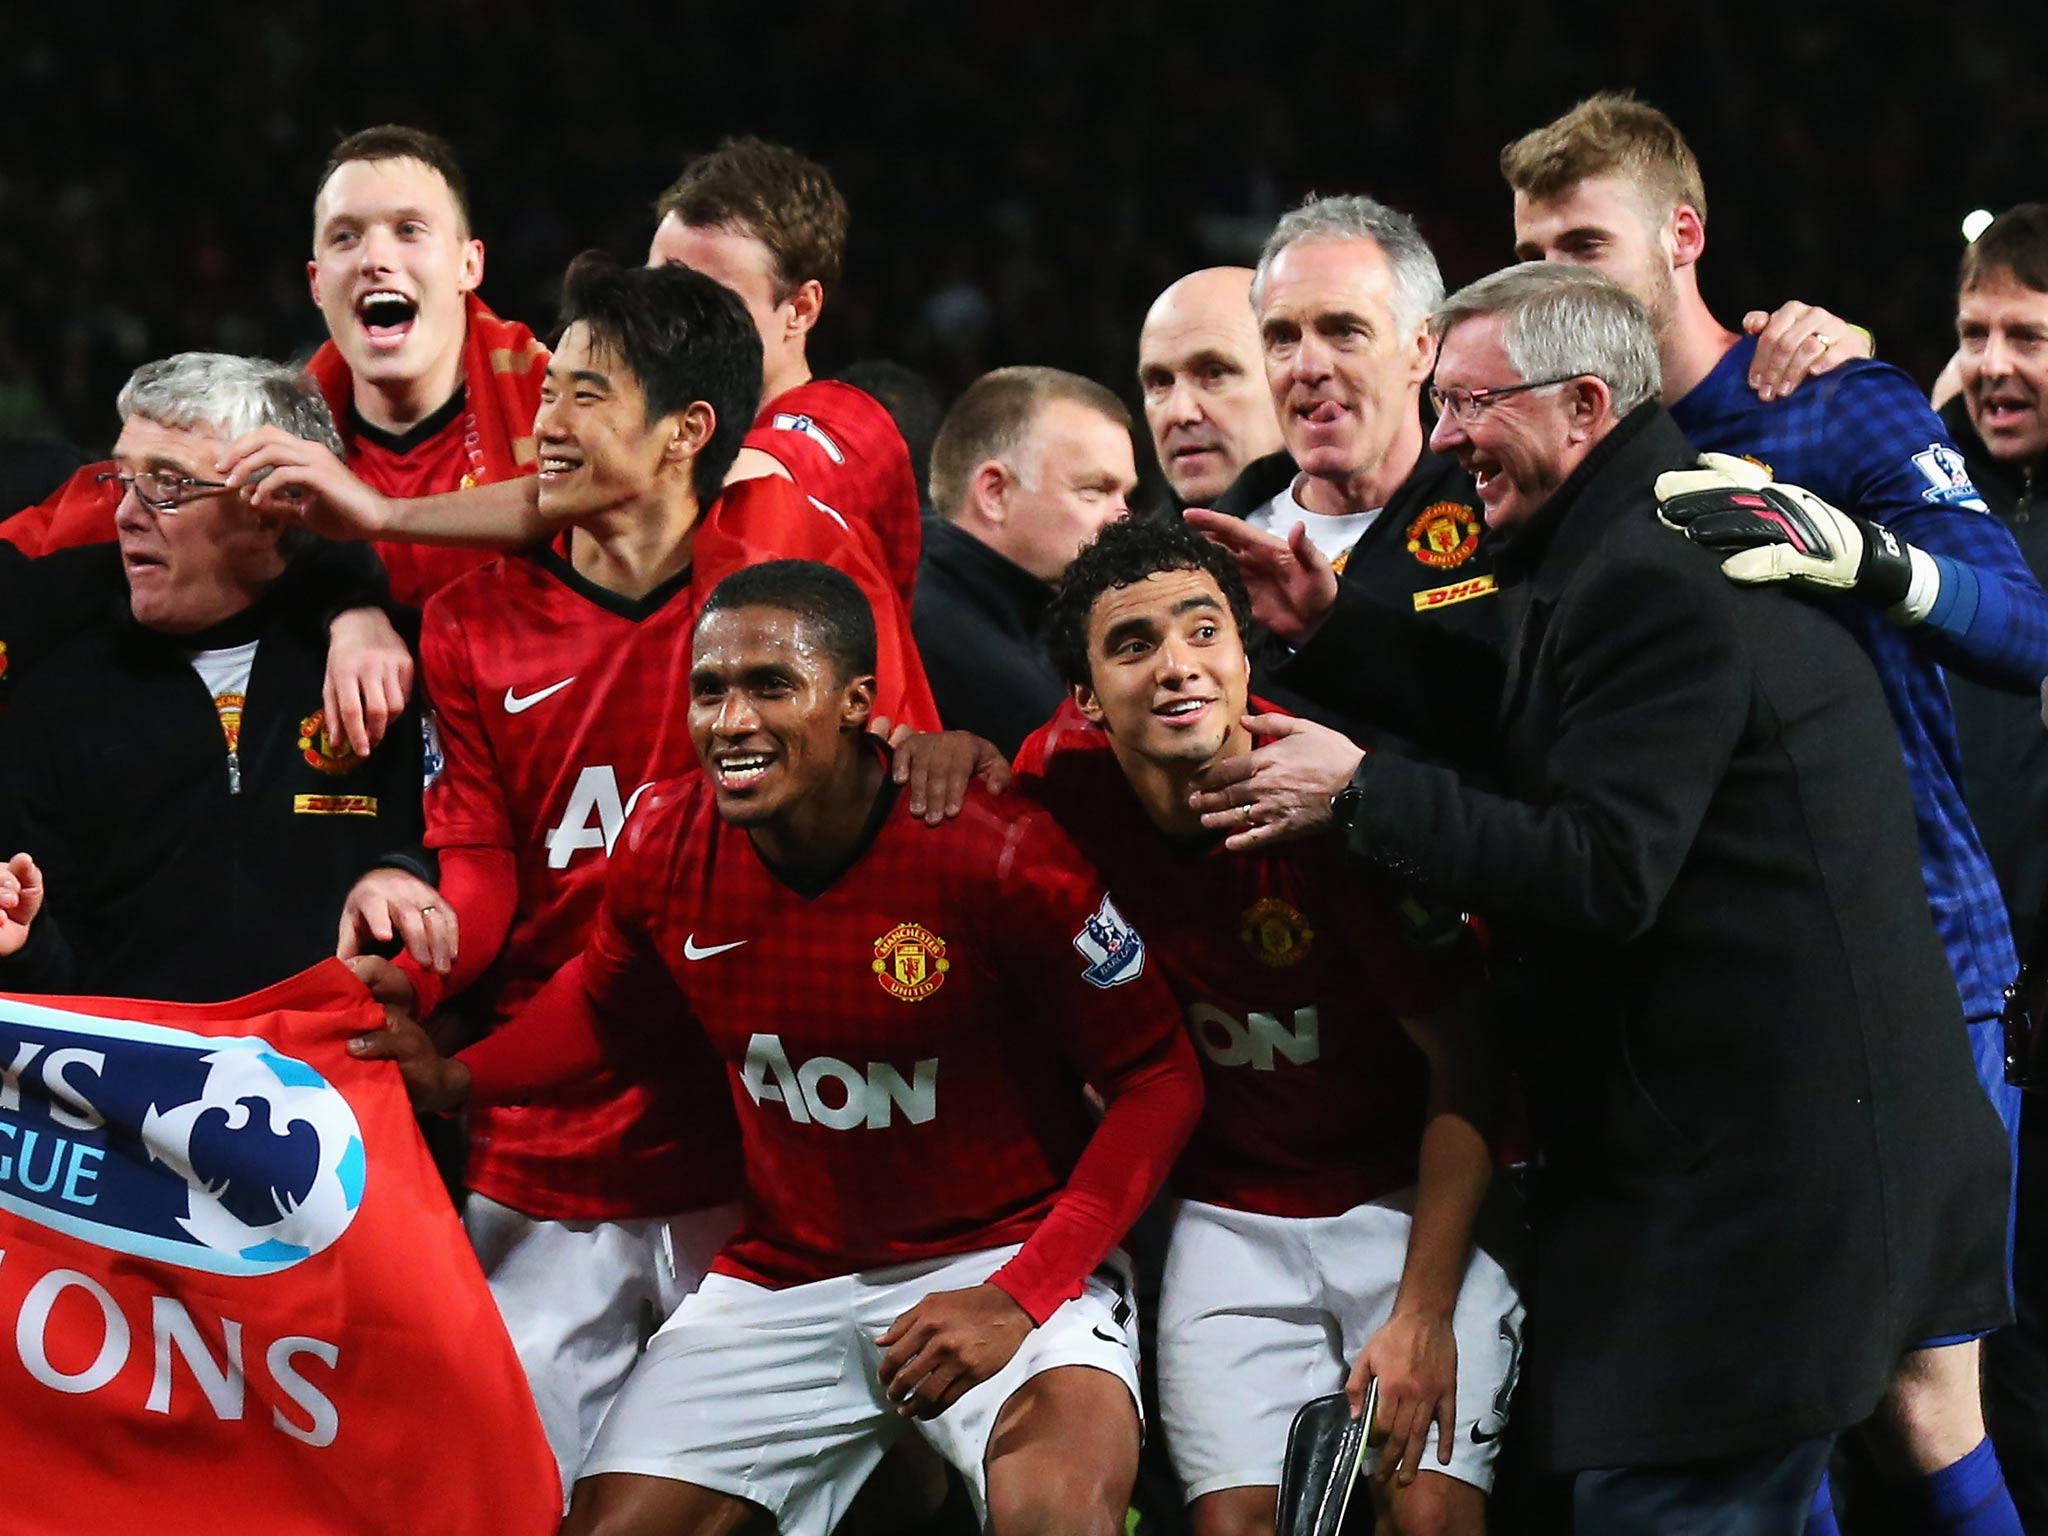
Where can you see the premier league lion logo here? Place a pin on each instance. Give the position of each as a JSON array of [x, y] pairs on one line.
[[270, 1154], [214, 1153]]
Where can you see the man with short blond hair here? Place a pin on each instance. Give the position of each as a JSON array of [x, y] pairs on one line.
[[1029, 465]]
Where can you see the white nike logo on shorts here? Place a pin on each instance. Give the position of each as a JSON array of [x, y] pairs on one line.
[[692, 952], [514, 705]]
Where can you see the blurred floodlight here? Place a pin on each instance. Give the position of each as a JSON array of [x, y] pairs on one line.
[[1976, 222]]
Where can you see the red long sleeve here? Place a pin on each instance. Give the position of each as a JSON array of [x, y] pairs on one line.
[[481, 886], [1153, 1106], [553, 1040]]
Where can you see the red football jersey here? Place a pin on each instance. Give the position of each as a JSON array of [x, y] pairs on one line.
[[842, 447], [907, 1042], [433, 458], [1293, 974], [558, 704]]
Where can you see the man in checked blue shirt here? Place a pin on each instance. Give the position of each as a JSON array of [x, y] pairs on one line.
[[1916, 569]]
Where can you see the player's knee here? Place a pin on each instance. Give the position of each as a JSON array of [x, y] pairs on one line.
[[1932, 1411], [1068, 1501], [1434, 1505], [1235, 1512]]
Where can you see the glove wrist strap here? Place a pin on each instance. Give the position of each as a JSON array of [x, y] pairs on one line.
[[1922, 591]]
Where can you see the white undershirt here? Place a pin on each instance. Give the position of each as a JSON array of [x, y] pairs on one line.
[[226, 675], [226, 670], [1332, 536]]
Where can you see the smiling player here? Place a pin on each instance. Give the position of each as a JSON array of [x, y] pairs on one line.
[[1330, 1192], [907, 1016], [559, 677], [432, 391]]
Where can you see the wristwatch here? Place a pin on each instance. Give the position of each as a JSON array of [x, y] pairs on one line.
[[1344, 805]]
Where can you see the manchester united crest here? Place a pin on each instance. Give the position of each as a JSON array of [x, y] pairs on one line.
[[320, 749], [1276, 933], [1445, 536], [910, 962]]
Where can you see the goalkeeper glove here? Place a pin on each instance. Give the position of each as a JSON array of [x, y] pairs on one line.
[[1773, 533]]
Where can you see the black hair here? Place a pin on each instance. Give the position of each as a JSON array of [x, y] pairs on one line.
[[685, 337], [1122, 555], [826, 601]]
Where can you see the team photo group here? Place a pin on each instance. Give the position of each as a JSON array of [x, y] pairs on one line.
[[601, 930]]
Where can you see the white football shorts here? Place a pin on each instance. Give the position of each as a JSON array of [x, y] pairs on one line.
[[1258, 1314], [581, 1299], [771, 1395]]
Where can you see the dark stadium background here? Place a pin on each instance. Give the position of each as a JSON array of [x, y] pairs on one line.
[[1023, 176]]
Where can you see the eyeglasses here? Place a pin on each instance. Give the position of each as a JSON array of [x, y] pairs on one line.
[[163, 489], [1468, 405]]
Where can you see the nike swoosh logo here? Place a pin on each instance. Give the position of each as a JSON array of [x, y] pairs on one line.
[[1480, 1437], [1104, 1337], [692, 952], [514, 705]]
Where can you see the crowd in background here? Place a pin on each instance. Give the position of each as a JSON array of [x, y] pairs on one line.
[[1023, 179]]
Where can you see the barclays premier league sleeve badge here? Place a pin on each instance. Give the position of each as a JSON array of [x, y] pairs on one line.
[[1111, 946]]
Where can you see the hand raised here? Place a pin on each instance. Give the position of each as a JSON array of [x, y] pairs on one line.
[[1293, 588], [21, 898]]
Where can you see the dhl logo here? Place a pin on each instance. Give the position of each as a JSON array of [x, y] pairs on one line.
[[1456, 592], [334, 805]]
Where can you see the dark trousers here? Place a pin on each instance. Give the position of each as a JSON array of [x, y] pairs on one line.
[[2016, 1358], [1766, 1493]]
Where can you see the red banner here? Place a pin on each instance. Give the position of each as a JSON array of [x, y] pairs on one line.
[[233, 1296]]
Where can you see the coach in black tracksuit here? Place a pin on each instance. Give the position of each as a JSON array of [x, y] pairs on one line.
[[1767, 1171], [1427, 553], [179, 868]]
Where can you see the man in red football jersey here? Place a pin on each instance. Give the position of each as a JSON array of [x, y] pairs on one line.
[[907, 1017], [1330, 1194], [432, 392], [768, 224], [771, 226], [559, 681]]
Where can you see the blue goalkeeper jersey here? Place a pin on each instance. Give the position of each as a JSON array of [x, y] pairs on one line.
[[1864, 438]]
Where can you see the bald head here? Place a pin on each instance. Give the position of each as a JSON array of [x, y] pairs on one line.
[[1206, 400]]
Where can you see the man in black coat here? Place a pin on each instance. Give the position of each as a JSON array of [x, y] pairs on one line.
[[181, 818], [1029, 464], [2000, 422], [1767, 1172]]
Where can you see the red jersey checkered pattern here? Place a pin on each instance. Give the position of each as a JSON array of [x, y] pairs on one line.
[[430, 467], [842, 447], [908, 1045], [1293, 973], [558, 705]]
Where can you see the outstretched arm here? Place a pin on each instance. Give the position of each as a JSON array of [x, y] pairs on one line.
[[292, 474]]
